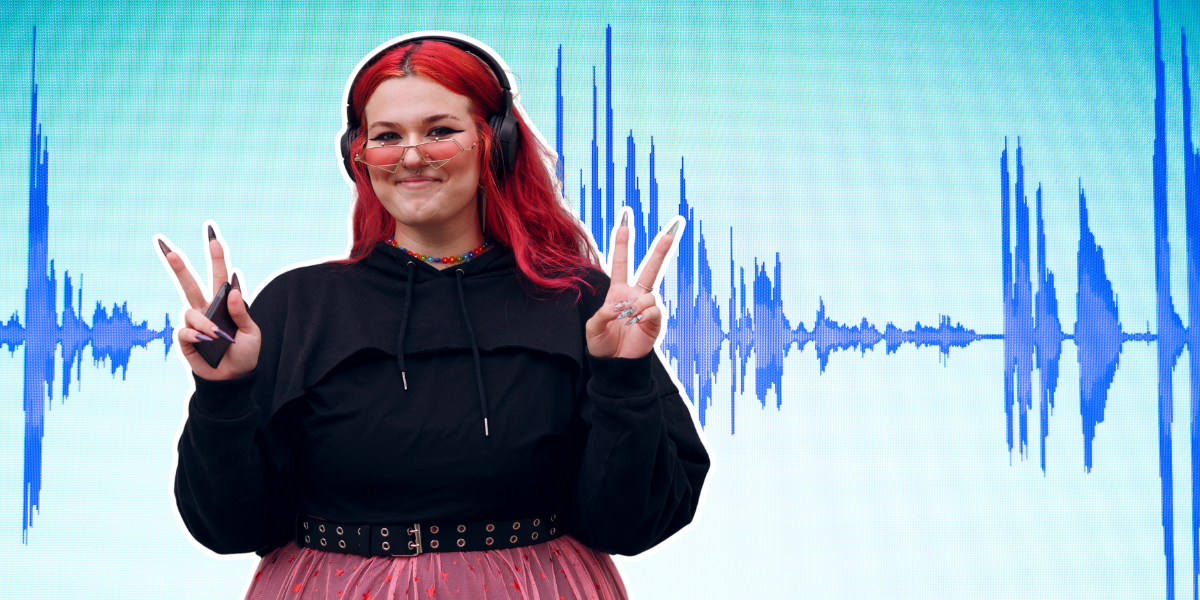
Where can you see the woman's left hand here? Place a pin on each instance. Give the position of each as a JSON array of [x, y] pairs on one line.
[[627, 325]]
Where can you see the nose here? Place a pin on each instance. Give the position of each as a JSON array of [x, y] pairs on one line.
[[411, 159]]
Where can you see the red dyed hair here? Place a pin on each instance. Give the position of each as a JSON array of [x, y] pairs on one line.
[[523, 209]]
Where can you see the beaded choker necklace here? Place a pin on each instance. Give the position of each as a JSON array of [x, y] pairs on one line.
[[449, 260]]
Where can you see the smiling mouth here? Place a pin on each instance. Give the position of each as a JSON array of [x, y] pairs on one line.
[[416, 180]]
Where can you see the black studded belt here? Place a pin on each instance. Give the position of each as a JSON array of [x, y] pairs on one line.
[[411, 539]]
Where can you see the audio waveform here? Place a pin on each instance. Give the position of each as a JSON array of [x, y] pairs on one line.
[[756, 323], [112, 336], [695, 329]]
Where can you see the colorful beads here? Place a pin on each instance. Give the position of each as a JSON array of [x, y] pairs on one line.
[[450, 260]]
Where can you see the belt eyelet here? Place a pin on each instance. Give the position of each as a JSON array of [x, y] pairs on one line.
[[433, 529], [537, 522], [489, 541], [387, 546], [462, 528], [307, 540], [339, 530], [384, 533], [491, 528], [434, 544], [461, 542], [322, 541], [321, 528], [342, 544], [512, 540], [516, 525], [534, 536]]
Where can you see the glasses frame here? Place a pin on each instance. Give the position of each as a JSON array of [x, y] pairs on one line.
[[436, 164]]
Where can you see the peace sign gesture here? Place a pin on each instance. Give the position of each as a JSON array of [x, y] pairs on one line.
[[627, 325], [242, 356]]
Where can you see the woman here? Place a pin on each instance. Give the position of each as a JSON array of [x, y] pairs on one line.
[[465, 406]]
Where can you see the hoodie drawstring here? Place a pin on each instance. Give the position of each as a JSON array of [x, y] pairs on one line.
[[462, 300], [408, 292]]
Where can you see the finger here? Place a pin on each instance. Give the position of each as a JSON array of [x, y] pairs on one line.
[[238, 311], [216, 251], [196, 320], [620, 252], [649, 318], [187, 335], [191, 290], [637, 308], [658, 257]]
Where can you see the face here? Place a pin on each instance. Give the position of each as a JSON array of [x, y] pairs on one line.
[[414, 110]]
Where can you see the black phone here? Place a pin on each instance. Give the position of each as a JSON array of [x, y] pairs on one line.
[[218, 313]]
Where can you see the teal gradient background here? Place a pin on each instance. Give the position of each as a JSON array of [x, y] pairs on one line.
[[860, 141]]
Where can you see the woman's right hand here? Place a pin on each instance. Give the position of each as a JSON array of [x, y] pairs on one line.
[[242, 356]]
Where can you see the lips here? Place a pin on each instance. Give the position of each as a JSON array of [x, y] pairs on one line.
[[417, 181]]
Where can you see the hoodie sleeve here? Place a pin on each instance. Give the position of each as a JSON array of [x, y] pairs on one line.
[[225, 483], [643, 463]]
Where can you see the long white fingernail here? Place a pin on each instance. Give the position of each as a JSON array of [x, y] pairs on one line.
[[624, 219], [625, 313], [636, 319], [673, 228]]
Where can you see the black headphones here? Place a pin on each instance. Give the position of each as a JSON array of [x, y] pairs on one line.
[[503, 123]]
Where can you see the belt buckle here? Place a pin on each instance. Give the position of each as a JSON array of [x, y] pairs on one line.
[[415, 532]]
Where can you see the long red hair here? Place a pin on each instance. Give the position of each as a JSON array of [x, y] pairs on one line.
[[523, 210]]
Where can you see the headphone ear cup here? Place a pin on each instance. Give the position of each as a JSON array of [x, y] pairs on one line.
[[508, 138], [347, 160]]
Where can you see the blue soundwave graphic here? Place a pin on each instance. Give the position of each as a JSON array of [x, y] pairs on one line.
[[1033, 335], [695, 331], [112, 336]]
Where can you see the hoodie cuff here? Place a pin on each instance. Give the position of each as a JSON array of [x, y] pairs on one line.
[[225, 399], [621, 377]]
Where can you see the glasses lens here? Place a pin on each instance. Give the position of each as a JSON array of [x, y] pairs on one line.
[[437, 153], [383, 156]]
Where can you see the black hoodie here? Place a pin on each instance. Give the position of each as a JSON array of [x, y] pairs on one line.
[[357, 414]]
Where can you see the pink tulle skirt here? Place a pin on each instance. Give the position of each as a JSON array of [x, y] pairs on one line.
[[561, 569]]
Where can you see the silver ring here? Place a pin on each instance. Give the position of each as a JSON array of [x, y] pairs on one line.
[[639, 284]]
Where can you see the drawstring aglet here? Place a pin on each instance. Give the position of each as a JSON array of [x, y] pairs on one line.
[[485, 429], [404, 378]]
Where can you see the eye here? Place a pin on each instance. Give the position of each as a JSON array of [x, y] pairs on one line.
[[442, 132], [387, 138]]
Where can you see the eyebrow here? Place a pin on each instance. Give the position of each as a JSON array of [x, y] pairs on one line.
[[425, 121]]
